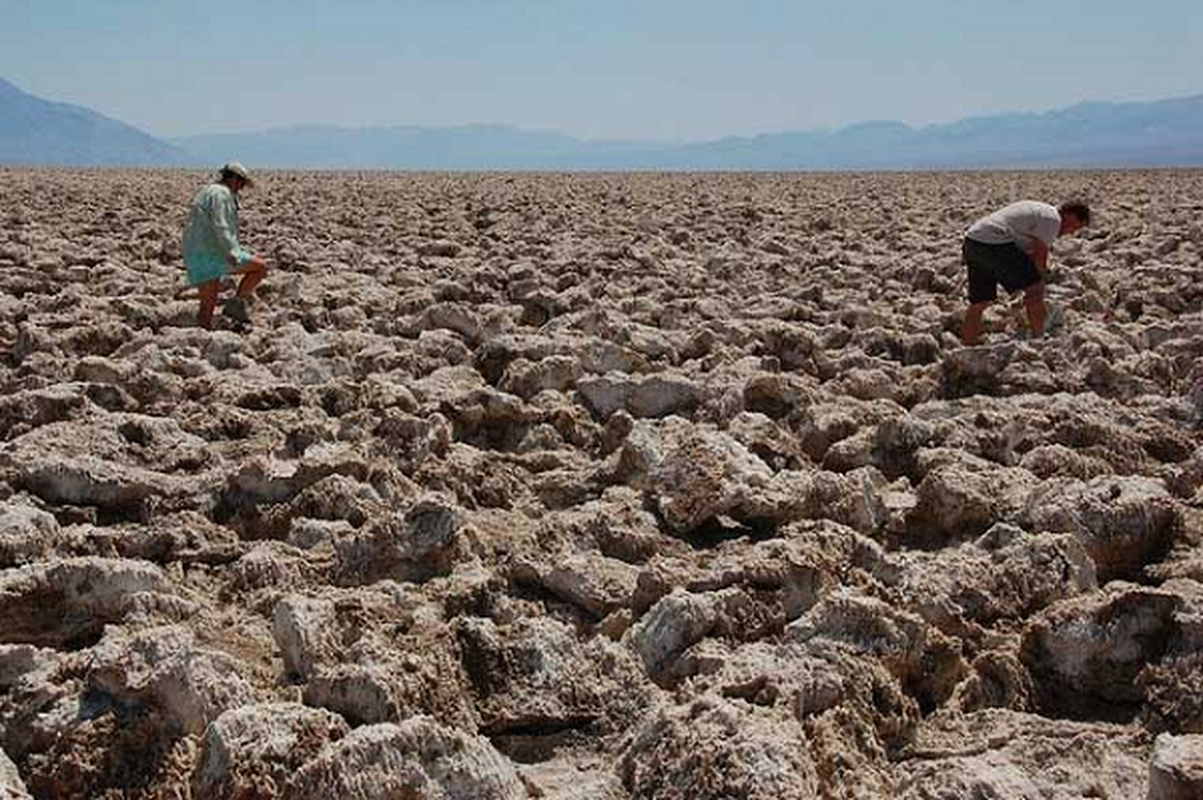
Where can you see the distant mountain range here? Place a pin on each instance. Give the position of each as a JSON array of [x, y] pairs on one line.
[[1160, 133], [37, 131]]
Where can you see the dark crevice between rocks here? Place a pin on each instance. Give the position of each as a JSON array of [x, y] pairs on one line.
[[138, 512], [535, 314], [73, 515], [252, 525], [1135, 563], [1169, 451], [135, 511], [230, 509], [136, 433], [298, 440], [229, 429], [721, 529], [917, 689], [923, 532], [338, 401], [1057, 700], [538, 726], [271, 398], [491, 360], [39, 619], [498, 435], [767, 403], [538, 740], [1079, 707], [251, 518], [358, 573]]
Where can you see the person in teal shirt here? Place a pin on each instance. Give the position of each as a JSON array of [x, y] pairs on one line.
[[211, 248]]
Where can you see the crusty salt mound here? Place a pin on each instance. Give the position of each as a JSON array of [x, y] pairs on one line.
[[599, 486]]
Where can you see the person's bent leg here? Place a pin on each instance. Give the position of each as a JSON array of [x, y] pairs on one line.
[[208, 303], [983, 288], [1033, 303], [253, 273], [971, 328]]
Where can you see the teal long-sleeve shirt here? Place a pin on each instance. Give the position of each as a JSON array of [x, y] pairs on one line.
[[211, 245]]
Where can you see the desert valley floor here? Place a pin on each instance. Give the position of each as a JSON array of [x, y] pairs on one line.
[[599, 486]]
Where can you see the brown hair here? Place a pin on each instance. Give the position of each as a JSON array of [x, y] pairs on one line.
[[1079, 210]]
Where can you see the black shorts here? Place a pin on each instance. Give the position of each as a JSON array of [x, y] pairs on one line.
[[992, 264]]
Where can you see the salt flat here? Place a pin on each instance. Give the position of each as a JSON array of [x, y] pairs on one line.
[[615, 486]]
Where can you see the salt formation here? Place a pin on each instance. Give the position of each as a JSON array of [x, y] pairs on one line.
[[599, 486]]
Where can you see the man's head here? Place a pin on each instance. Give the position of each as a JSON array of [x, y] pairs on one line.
[[235, 176], [1074, 217]]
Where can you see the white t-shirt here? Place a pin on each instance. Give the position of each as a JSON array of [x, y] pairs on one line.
[[1020, 223]]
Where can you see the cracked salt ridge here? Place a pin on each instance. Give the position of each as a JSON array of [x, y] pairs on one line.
[[636, 486]]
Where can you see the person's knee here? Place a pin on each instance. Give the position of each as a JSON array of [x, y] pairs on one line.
[[1034, 292]]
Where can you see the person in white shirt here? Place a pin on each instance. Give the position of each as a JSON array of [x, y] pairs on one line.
[[1011, 247]]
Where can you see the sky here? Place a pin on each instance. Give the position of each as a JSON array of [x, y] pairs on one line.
[[606, 69]]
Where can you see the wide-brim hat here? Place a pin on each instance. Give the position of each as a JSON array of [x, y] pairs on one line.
[[236, 168]]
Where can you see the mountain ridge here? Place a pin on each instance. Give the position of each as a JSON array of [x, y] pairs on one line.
[[35, 131], [1092, 133]]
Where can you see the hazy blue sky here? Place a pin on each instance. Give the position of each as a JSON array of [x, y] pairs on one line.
[[609, 68]]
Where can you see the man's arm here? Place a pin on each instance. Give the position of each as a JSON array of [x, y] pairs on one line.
[[1040, 256], [223, 215]]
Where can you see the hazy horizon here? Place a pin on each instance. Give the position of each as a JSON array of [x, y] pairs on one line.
[[672, 72], [319, 124]]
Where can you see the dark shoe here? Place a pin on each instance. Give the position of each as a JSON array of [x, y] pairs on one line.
[[236, 311]]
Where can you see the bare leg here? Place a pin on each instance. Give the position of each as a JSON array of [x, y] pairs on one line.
[[208, 302], [971, 329], [251, 277], [1033, 303]]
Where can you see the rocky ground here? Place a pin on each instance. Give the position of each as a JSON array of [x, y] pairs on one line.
[[599, 487]]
